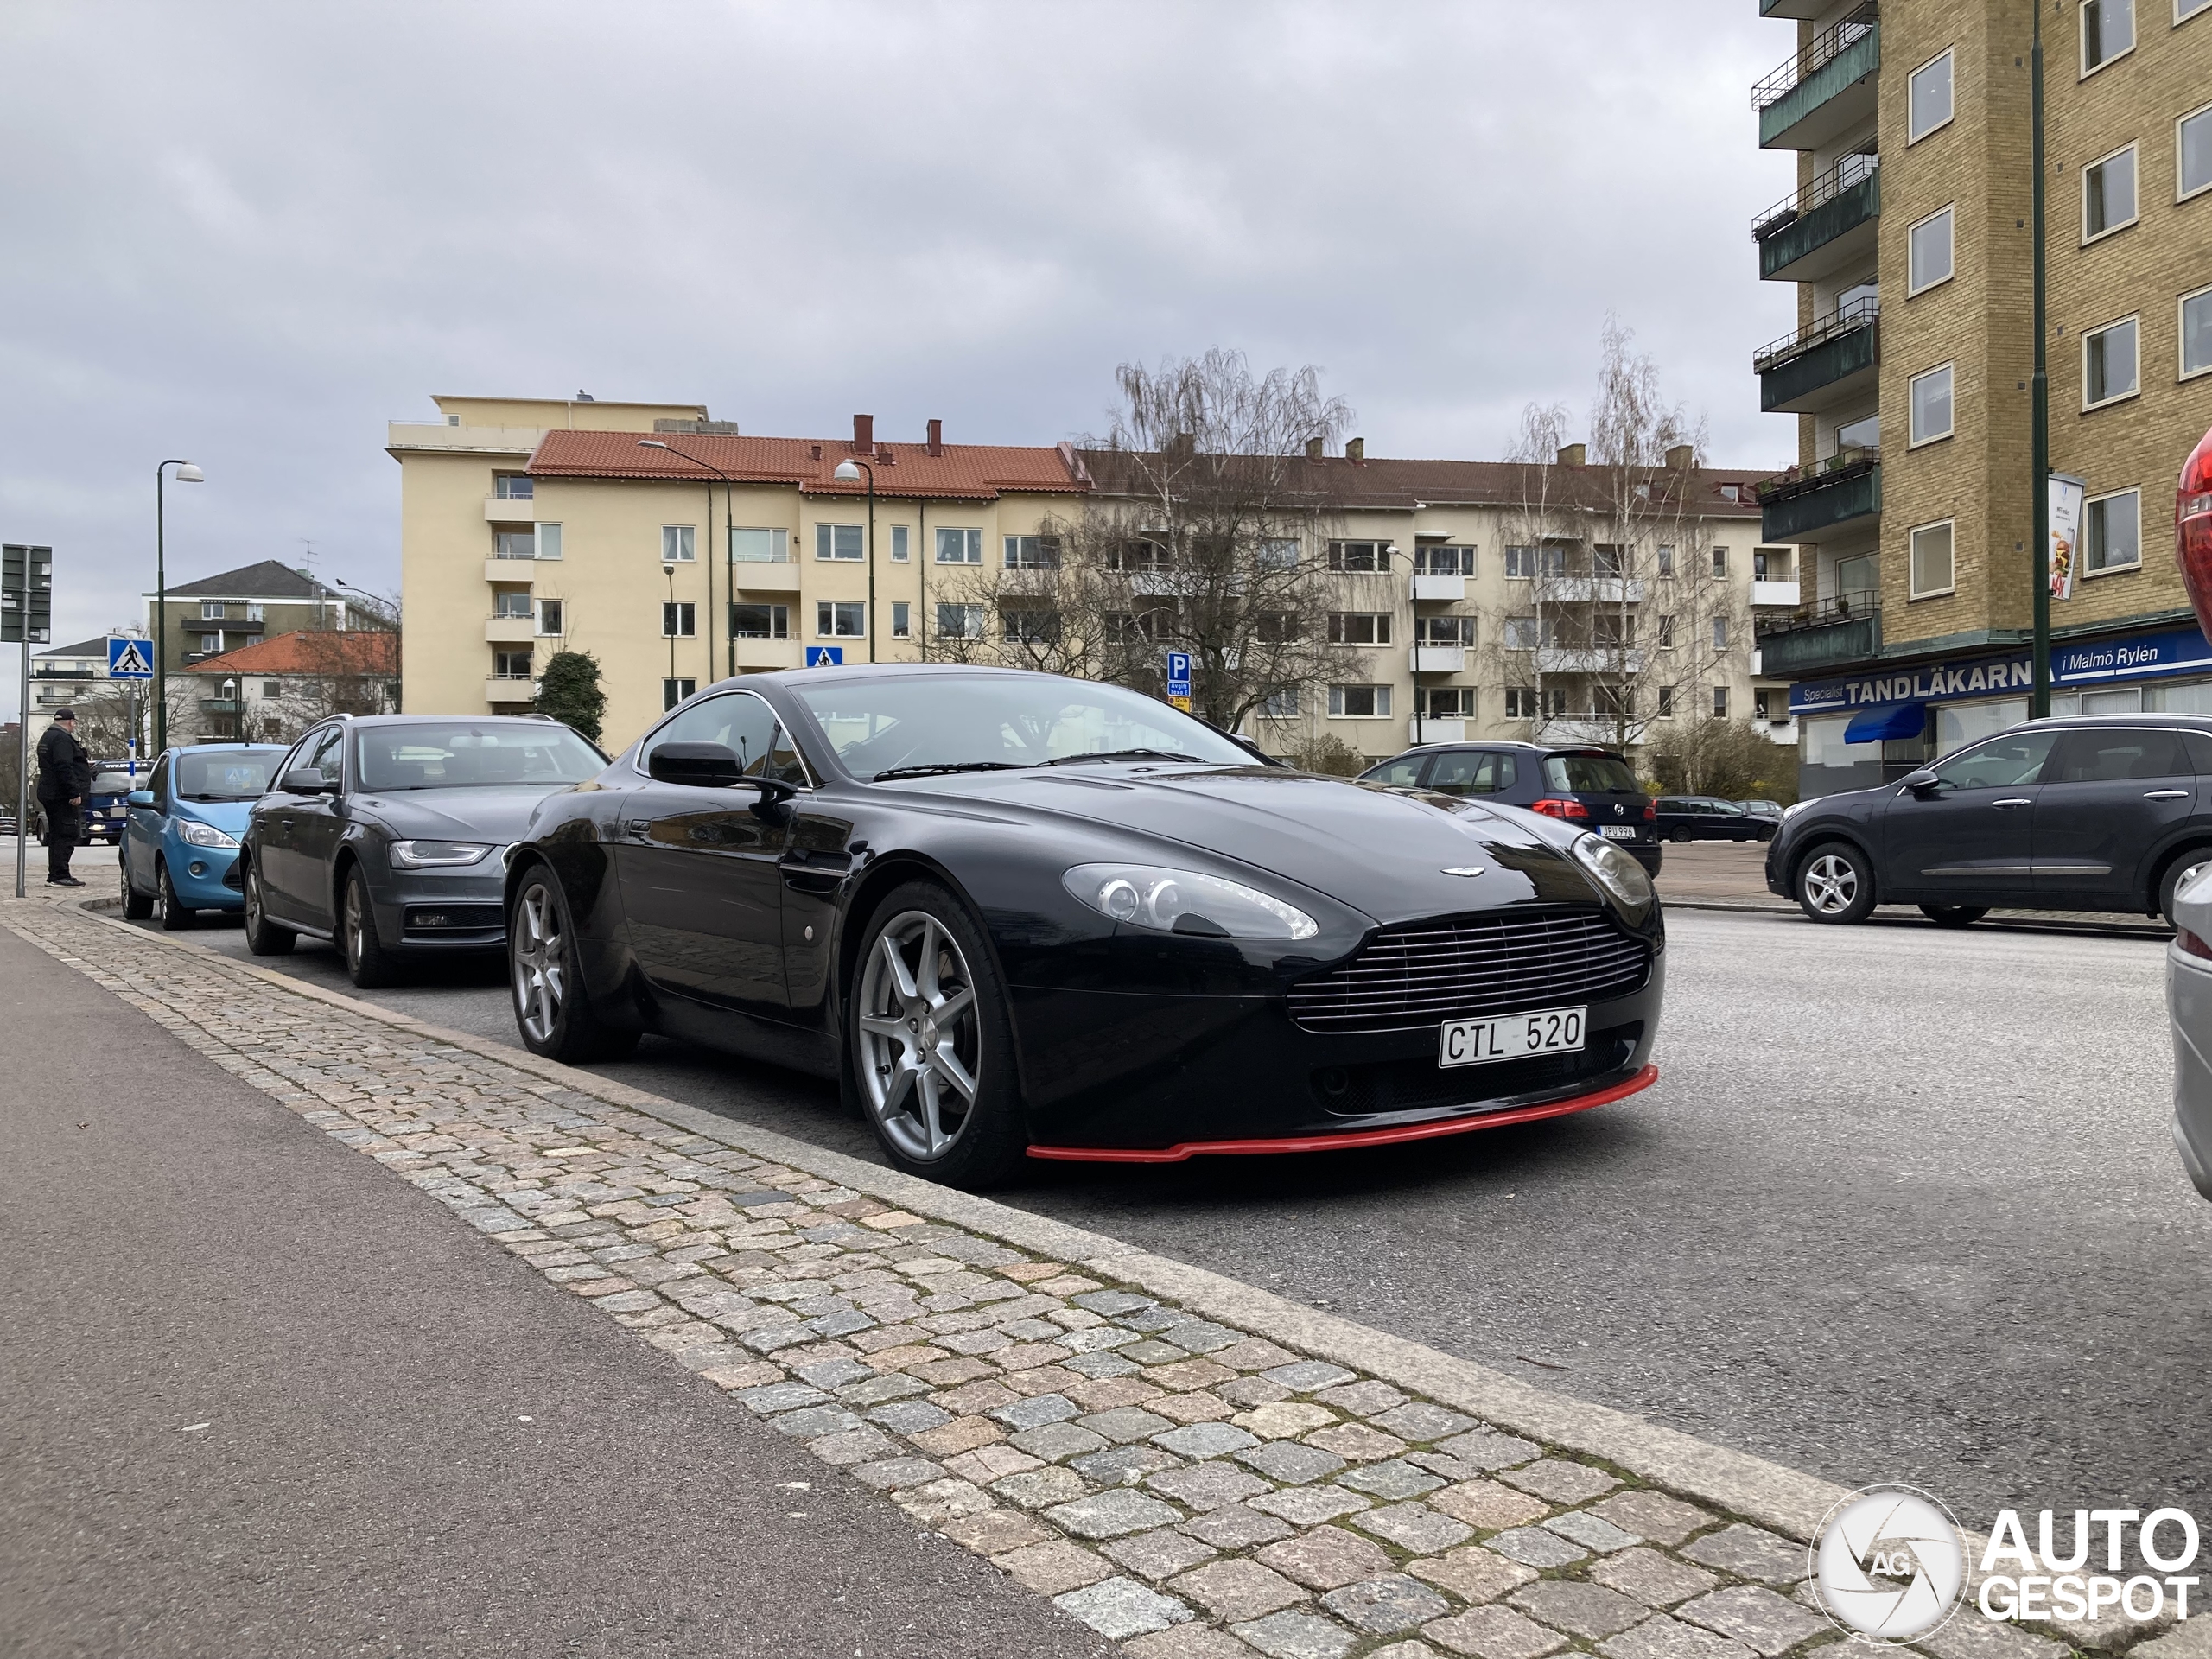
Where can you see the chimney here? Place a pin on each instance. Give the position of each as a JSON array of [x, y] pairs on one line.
[[1316, 449], [1681, 458], [814, 452], [937, 437], [863, 434], [1356, 451], [1575, 455]]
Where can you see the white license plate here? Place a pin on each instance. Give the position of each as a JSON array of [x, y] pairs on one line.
[[1617, 831], [1472, 1042]]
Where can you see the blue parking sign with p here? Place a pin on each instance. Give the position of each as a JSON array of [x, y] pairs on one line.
[[1178, 673], [825, 655], [128, 658]]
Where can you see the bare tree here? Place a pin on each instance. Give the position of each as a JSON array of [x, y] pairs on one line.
[[350, 670]]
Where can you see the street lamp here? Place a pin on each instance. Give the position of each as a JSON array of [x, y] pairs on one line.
[[729, 580], [186, 473], [238, 715], [848, 471]]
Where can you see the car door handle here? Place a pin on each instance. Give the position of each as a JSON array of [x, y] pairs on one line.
[[2010, 802], [2168, 794]]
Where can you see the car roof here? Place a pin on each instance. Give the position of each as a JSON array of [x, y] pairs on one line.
[[2097, 722]]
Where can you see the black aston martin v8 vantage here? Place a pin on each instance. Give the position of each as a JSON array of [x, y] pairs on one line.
[[1019, 914]]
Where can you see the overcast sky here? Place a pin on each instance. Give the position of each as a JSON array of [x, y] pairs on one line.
[[250, 234]]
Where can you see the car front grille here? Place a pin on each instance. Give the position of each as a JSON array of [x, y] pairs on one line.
[[1465, 967]]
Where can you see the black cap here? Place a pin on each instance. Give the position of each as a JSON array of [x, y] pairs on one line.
[[65, 714]]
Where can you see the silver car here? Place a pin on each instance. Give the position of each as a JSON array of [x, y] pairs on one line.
[[387, 834], [2188, 1001]]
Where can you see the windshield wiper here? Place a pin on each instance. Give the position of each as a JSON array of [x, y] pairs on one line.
[[1123, 754], [947, 766]]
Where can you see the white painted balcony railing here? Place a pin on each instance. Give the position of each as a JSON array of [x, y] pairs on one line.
[[1439, 659], [1429, 589], [1765, 592], [1429, 728]]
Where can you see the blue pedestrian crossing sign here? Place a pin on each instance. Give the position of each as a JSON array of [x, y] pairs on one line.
[[1179, 678], [825, 655], [128, 658]]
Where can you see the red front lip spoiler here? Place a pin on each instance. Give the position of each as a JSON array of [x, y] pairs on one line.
[[1176, 1154]]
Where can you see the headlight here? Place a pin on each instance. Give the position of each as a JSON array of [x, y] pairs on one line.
[[1183, 901], [436, 855], [203, 835], [1621, 876]]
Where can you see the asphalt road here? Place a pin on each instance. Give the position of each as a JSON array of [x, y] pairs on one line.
[[1903, 1207], [266, 1399]]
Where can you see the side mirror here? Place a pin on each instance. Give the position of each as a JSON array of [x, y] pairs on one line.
[[139, 797], [699, 765], [1922, 783], [305, 780]]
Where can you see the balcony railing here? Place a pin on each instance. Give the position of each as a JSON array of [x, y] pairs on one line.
[[1862, 313], [1837, 607], [1819, 637], [1815, 55], [1845, 176]]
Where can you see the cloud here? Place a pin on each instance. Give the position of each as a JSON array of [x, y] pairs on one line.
[[252, 234]]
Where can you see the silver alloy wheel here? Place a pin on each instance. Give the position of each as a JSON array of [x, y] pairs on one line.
[[2190, 871], [1831, 884], [536, 963], [253, 917], [921, 1046], [354, 923]]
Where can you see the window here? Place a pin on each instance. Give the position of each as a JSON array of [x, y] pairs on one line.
[[2185, 10], [1931, 560], [1775, 563], [760, 546], [1280, 705], [679, 619], [511, 606], [1666, 702], [2108, 195], [1666, 561], [741, 723], [1522, 633], [761, 622], [961, 621], [1520, 563], [1607, 559], [210, 642], [1473, 772], [255, 614], [272, 688], [959, 546], [1719, 564], [1138, 555], [1930, 405], [1275, 627], [511, 664], [2108, 32], [843, 543], [1359, 555], [1928, 257], [2112, 537], [2193, 152], [1360, 702], [549, 542], [841, 619], [512, 486], [1610, 630], [1033, 552], [551, 617], [2008, 762], [2108, 364], [1278, 555], [1930, 103], [1447, 702], [1444, 631], [1865, 433], [1440, 560], [899, 549], [211, 610], [674, 692], [1124, 628], [1031, 625], [2196, 329], [1720, 633], [902, 620], [1721, 702], [676, 545], [1667, 633], [1359, 628], [2110, 757], [514, 543]]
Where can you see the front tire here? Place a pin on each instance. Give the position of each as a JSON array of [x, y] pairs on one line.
[[1955, 915], [176, 916], [1835, 883], [553, 1010], [136, 906], [369, 962], [263, 936], [930, 1046]]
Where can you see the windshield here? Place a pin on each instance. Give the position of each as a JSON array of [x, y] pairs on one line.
[[475, 754], [951, 720], [112, 783], [225, 774], [1588, 774]]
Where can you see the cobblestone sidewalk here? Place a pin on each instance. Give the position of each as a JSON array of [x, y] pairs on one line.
[[1183, 1487]]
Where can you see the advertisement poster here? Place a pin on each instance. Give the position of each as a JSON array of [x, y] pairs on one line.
[[2065, 532]]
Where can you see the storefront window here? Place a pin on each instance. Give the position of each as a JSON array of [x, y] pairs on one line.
[[1958, 724], [2192, 699]]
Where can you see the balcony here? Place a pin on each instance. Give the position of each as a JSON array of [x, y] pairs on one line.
[[771, 653], [1592, 590], [1825, 227], [219, 705], [510, 510], [1439, 659], [510, 630], [1588, 659], [1824, 88], [510, 689], [765, 576], [1800, 507], [510, 571], [1798, 9], [1817, 638], [1765, 593], [1429, 589], [1826, 362], [1599, 730], [1424, 728]]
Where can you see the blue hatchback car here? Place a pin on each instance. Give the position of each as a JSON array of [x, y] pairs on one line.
[[180, 842]]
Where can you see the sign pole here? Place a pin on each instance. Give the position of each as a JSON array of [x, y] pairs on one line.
[[2039, 416], [23, 733]]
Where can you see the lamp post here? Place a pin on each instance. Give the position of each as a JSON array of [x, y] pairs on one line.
[[848, 471], [238, 715], [2039, 415], [729, 575], [185, 473]]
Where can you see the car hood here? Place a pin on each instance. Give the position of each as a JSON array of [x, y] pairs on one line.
[[1387, 853], [229, 817], [498, 814]]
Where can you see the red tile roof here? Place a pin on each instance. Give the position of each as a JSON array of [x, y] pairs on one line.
[[963, 471], [309, 651]]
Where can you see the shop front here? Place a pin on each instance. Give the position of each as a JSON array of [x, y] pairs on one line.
[[1871, 728]]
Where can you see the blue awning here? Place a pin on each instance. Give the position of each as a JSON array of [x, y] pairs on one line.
[[1890, 722]]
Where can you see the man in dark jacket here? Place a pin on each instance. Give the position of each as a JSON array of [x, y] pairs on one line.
[[64, 778]]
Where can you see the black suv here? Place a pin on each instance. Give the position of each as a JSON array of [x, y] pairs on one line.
[[1594, 789], [2108, 812]]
